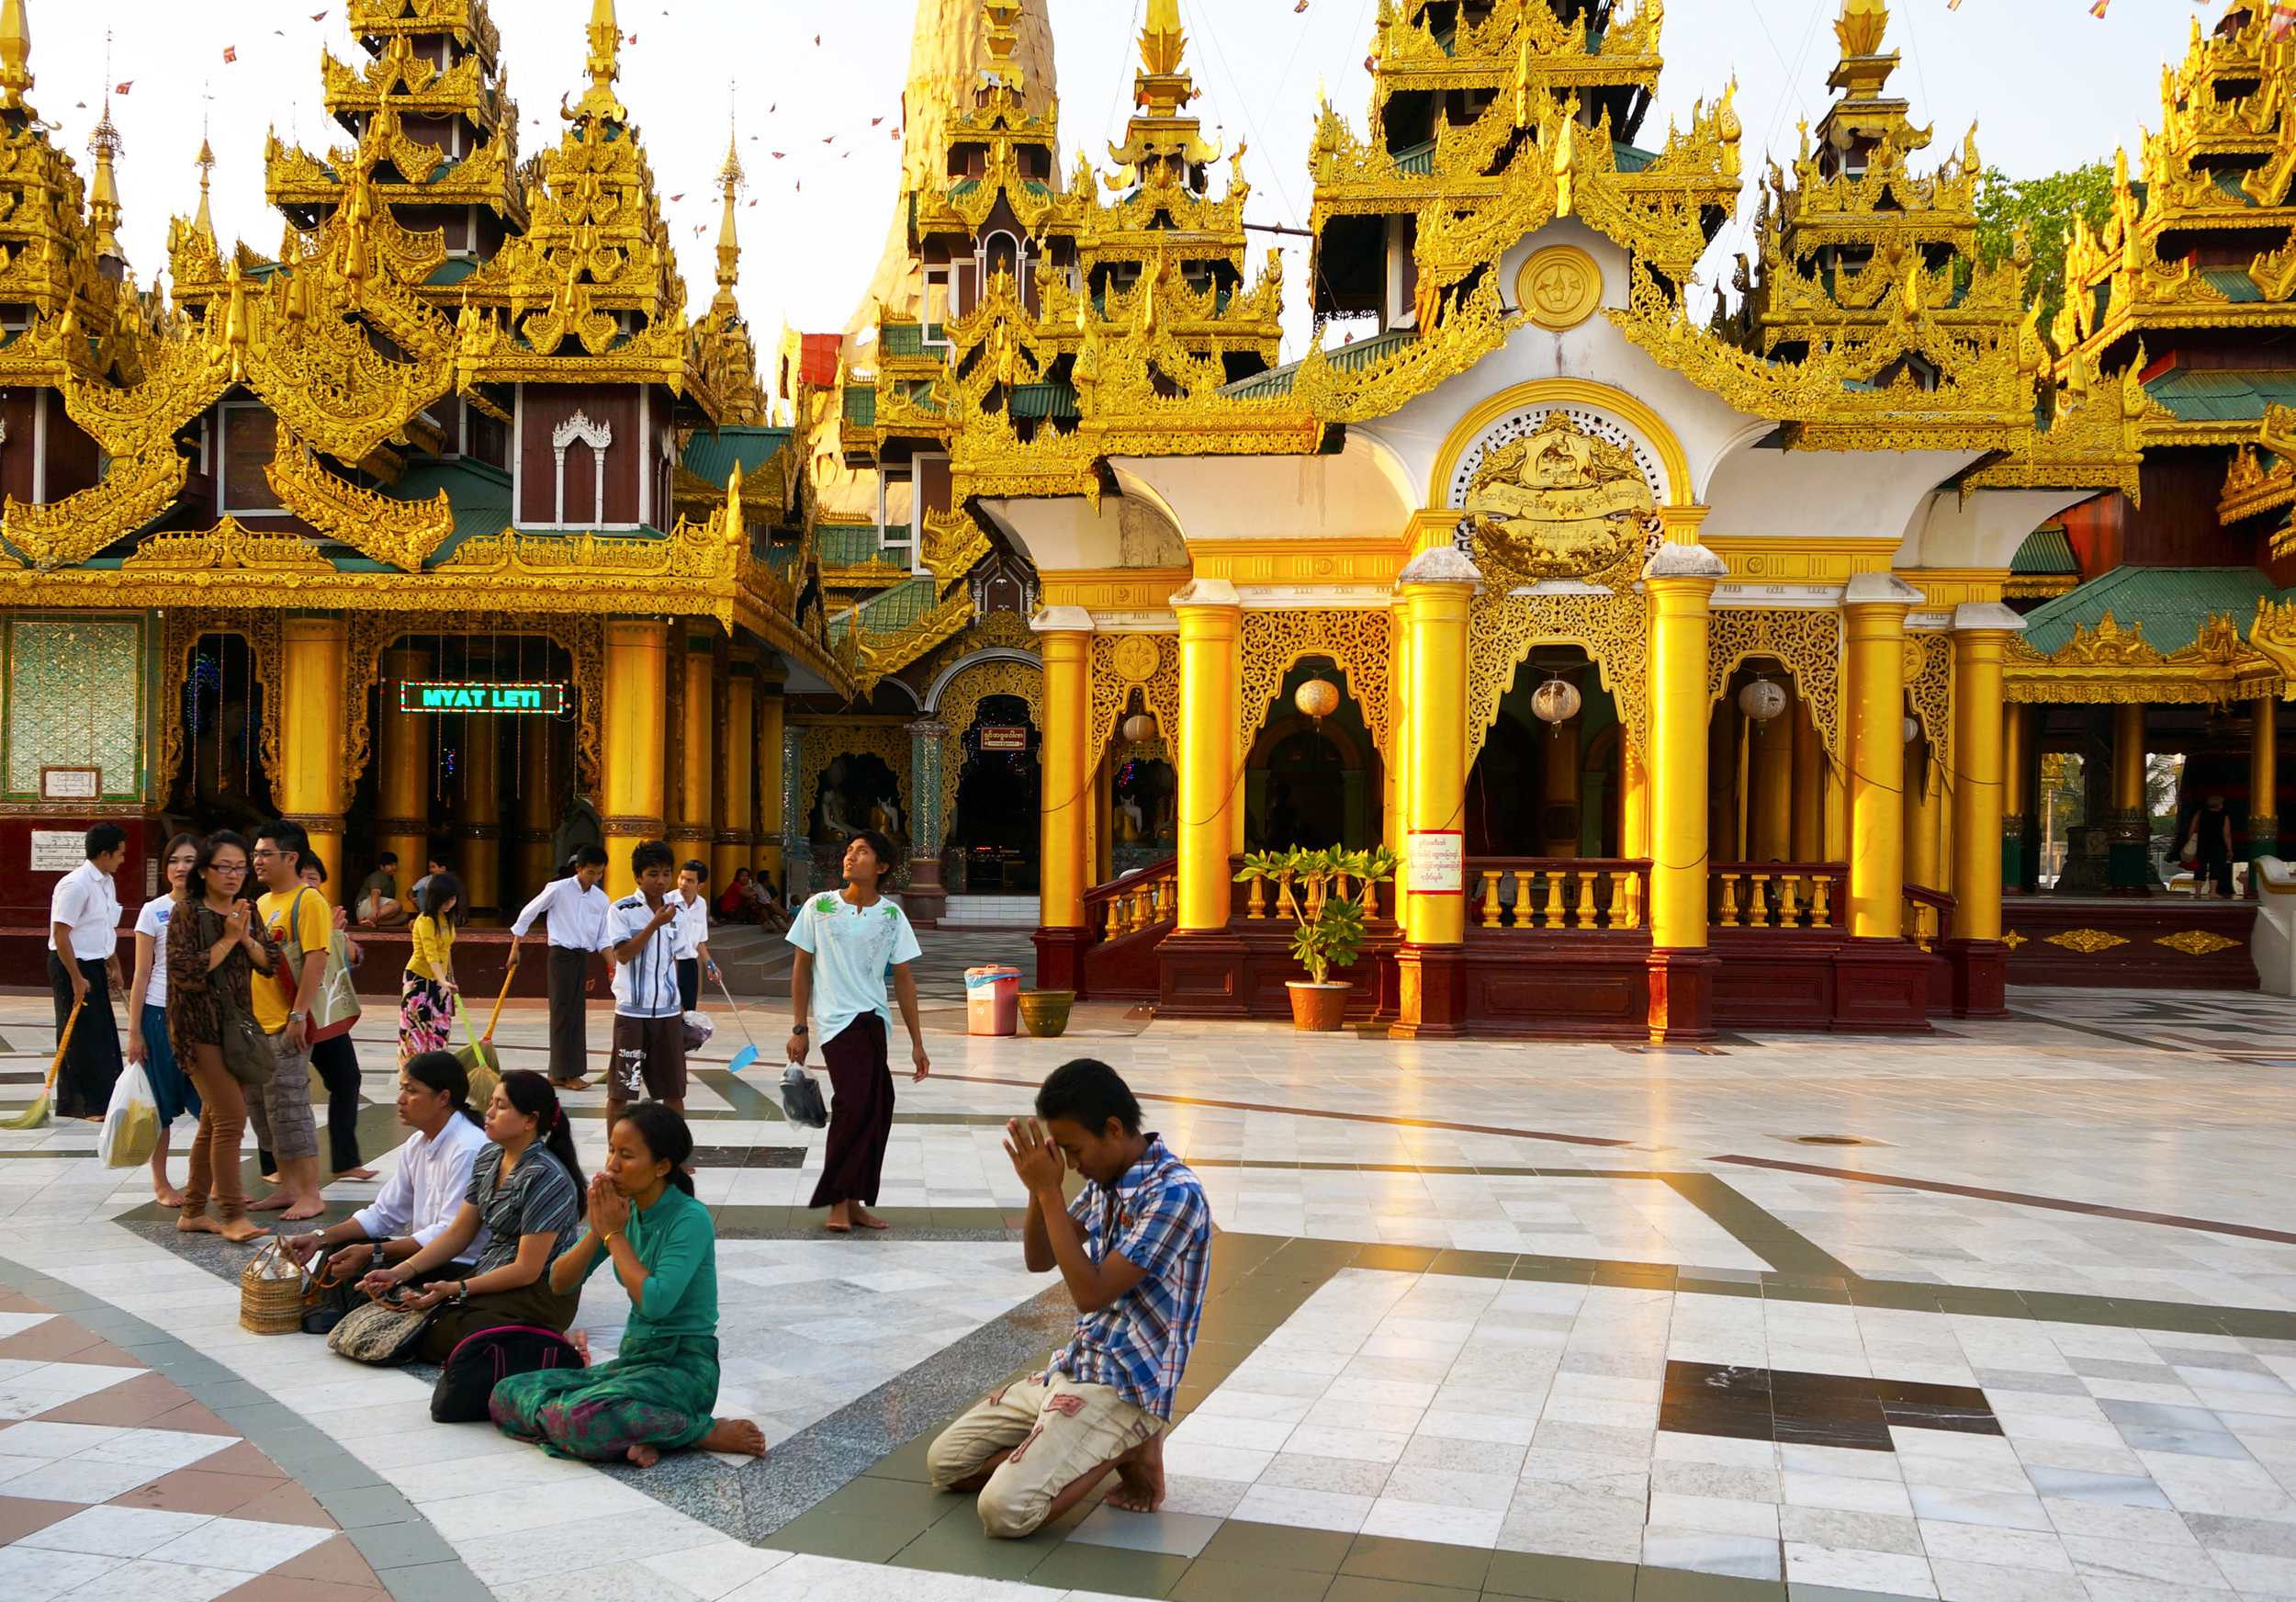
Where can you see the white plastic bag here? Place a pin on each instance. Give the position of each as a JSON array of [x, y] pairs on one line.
[[131, 1125]]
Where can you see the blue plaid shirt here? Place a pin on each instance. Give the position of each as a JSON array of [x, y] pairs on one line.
[[1156, 1219]]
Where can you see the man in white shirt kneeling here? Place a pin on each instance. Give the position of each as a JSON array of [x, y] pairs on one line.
[[425, 1192]]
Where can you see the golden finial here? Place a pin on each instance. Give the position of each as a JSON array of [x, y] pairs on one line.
[[103, 197], [1860, 27], [235, 321], [15, 56], [731, 177], [605, 66], [1004, 17], [205, 162], [1566, 160]]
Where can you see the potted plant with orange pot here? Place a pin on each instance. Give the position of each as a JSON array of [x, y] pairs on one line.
[[1329, 939]]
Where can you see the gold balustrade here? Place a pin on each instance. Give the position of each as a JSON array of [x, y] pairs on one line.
[[1564, 894], [1778, 895]]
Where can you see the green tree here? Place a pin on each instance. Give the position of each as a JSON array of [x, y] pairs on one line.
[[2045, 208]]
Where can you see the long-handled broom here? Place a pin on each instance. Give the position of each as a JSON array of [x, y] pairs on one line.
[[748, 1053], [480, 1061], [36, 1115]]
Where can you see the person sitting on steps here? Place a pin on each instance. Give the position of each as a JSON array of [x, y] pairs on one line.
[[1134, 1249]]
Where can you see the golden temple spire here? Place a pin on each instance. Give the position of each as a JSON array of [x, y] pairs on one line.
[[15, 56], [103, 195], [204, 222], [1163, 87], [1860, 26], [1004, 35], [605, 66], [730, 176]]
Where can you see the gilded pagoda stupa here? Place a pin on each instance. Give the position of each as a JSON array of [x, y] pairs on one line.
[[1695, 658]]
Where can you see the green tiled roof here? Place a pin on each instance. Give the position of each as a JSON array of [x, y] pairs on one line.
[[2172, 602], [1347, 358], [846, 545], [2045, 550], [2206, 395], [1418, 160], [861, 405], [1629, 159], [712, 456], [479, 495], [1044, 401], [2232, 283], [890, 612], [907, 339]]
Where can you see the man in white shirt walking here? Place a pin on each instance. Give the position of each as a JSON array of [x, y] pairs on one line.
[[577, 910], [84, 967], [649, 1042]]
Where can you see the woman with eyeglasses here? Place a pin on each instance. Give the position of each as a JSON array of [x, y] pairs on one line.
[[216, 945], [171, 1091]]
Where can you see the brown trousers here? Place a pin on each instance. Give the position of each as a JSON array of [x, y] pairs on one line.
[[860, 1113], [535, 1305], [569, 1031], [215, 1145]]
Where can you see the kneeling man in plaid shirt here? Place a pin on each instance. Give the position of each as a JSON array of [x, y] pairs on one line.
[[1133, 1249]]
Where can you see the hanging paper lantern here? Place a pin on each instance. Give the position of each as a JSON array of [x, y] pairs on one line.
[[1762, 700], [1140, 727], [1556, 701], [1913, 728], [1318, 698]]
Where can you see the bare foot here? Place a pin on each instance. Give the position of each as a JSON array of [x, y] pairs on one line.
[[734, 1434], [1140, 1477], [867, 1219], [571, 1084], [311, 1209], [240, 1232], [201, 1225], [272, 1203], [167, 1195], [644, 1456], [581, 1339], [354, 1173]]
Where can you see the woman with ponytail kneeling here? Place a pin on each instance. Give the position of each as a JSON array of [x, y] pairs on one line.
[[527, 1195], [657, 1392]]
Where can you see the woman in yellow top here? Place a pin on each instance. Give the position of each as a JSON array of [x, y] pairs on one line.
[[426, 995]]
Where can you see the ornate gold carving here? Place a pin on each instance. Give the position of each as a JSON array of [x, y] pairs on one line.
[[1559, 287], [262, 631], [823, 742], [1614, 630], [229, 545], [1557, 503], [1112, 685], [402, 532], [1360, 639], [1806, 641], [2088, 942], [2013, 940], [2111, 664], [961, 704], [67, 532], [2196, 943], [1930, 690]]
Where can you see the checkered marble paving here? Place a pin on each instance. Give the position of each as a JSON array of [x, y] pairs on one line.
[[1451, 1430]]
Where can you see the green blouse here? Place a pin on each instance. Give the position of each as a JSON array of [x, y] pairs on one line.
[[678, 1242]]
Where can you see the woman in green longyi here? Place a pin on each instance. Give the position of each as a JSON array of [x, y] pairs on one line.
[[657, 1392]]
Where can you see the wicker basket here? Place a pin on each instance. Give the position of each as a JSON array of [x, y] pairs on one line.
[[272, 1291]]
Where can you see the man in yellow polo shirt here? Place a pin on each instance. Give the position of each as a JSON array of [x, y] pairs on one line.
[[281, 1111]]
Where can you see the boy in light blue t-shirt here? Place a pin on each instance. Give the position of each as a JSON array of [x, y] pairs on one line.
[[847, 942]]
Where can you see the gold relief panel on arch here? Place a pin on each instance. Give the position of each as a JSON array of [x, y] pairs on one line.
[[1549, 497]]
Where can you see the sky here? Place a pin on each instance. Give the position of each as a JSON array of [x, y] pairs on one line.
[[2049, 86]]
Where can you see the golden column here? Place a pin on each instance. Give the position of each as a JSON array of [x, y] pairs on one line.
[[1882, 980], [1210, 620], [402, 773], [769, 707], [1437, 588], [478, 814], [2264, 785], [1634, 799], [1773, 785], [1679, 582], [537, 808], [1923, 864], [638, 666], [2128, 856], [311, 737], [1981, 637], [737, 838], [1398, 816], [694, 829], [2017, 802], [1809, 786], [1200, 964], [1064, 636]]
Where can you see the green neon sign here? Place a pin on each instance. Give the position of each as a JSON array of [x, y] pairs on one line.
[[528, 700]]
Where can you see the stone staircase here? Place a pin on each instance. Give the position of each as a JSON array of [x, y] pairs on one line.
[[755, 961]]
